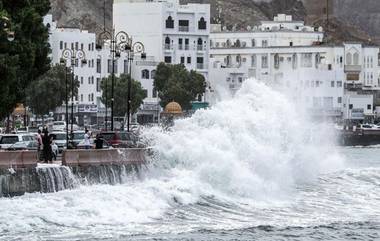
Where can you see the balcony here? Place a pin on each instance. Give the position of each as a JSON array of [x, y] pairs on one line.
[[180, 47], [200, 47], [183, 28], [187, 47], [353, 68]]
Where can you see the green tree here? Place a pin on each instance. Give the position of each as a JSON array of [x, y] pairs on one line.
[[26, 58], [49, 91], [121, 94], [176, 83]]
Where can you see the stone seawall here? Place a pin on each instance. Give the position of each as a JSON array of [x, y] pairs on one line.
[[20, 175]]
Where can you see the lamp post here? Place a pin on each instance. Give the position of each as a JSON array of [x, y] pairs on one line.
[[120, 42], [5, 25], [74, 56]]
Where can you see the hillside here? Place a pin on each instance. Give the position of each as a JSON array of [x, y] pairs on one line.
[[344, 26]]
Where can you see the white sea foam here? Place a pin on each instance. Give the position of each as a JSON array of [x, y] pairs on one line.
[[256, 145]]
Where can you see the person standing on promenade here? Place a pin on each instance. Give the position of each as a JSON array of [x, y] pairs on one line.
[[87, 136], [40, 145], [46, 141]]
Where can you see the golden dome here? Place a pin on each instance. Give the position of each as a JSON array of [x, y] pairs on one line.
[[173, 108]]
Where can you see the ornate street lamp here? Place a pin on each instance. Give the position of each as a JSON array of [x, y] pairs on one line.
[[120, 42], [74, 56]]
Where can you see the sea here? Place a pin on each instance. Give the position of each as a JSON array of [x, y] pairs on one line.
[[252, 167]]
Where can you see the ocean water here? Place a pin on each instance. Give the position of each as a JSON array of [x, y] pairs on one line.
[[251, 168]]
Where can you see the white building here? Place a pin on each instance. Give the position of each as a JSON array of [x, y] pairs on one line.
[[290, 55], [170, 32]]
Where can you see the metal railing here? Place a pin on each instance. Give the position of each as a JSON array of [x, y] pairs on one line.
[[183, 28]]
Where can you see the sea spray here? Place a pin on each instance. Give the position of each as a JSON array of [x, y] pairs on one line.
[[258, 145]]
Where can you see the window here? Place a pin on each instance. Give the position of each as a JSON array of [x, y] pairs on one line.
[[169, 22], [350, 106], [189, 60], [240, 79], [154, 94], [97, 84], [328, 102], [187, 44], [183, 25], [98, 66], [369, 107], [145, 91], [89, 80], [202, 24], [168, 59], [167, 43], [152, 74], [81, 97], [276, 61], [61, 45], [348, 58], [339, 84], [294, 61], [180, 44], [332, 84], [81, 80], [182, 59], [290, 44], [76, 45], [65, 45], [264, 43], [264, 61], [81, 46], [200, 44], [253, 60], [306, 60], [356, 59], [339, 100], [145, 74], [72, 46], [200, 63]]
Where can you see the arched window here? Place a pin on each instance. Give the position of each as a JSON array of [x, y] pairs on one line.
[[145, 74], [349, 59], [276, 61], [202, 24], [237, 43], [253, 42], [153, 74], [200, 44], [167, 43], [356, 59], [228, 42], [169, 22], [228, 60], [167, 40], [238, 59]]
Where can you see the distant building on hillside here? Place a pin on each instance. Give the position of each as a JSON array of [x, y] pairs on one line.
[[291, 56]]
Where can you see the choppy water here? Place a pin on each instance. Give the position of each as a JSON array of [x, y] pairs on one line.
[[251, 168]]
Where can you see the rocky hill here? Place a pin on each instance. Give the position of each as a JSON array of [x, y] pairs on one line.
[[343, 24]]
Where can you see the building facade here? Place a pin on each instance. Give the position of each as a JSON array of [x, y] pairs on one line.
[[289, 55]]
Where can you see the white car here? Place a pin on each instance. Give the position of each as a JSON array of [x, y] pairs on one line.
[[8, 140], [60, 140], [59, 126]]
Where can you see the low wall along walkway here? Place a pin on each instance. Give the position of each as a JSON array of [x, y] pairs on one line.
[[19, 172]]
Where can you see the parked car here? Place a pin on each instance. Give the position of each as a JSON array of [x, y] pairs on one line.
[[10, 139], [78, 137], [24, 145], [60, 140], [59, 126], [120, 139]]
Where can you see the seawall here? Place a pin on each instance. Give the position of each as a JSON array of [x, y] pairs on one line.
[[20, 173]]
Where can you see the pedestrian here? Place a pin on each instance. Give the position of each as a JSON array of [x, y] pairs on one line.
[[87, 137], [40, 145], [99, 141], [46, 141]]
